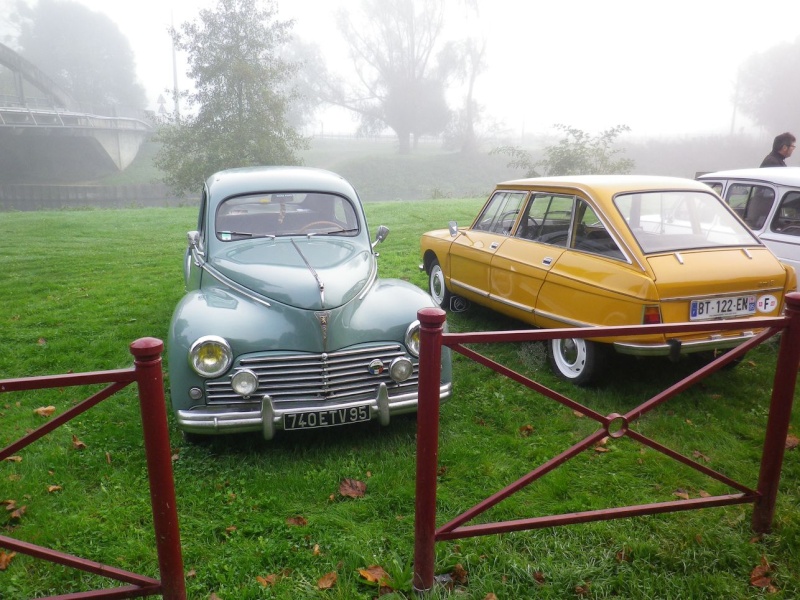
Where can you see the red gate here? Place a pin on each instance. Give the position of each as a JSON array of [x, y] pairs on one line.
[[613, 425], [147, 374]]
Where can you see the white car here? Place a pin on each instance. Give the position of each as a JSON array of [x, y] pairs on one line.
[[768, 200]]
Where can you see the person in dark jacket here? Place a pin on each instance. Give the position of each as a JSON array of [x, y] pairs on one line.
[[782, 148]]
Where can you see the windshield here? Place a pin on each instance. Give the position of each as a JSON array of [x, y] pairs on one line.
[[681, 220], [272, 215]]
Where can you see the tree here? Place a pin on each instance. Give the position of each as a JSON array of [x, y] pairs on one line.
[[401, 81], [469, 56], [238, 111], [768, 90], [83, 51], [577, 153]]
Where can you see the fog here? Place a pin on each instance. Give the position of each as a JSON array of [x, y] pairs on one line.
[[664, 69]]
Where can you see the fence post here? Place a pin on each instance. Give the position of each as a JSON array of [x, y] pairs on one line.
[[430, 366], [780, 411], [149, 376]]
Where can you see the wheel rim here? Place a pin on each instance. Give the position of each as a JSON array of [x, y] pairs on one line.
[[437, 288], [570, 356]]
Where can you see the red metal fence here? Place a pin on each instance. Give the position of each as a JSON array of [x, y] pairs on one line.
[[147, 374], [614, 425]]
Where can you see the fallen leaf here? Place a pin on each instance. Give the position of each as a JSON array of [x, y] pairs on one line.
[[704, 494], [42, 342], [53, 488], [45, 411], [352, 488], [601, 449], [191, 573], [758, 576], [578, 414], [583, 590], [108, 457], [17, 514], [267, 581], [77, 444], [327, 581], [316, 550], [213, 596], [10, 504], [459, 574], [230, 529], [792, 441], [375, 574], [683, 495], [526, 430], [490, 596], [698, 454], [689, 422], [297, 521], [5, 559], [441, 471], [14, 458], [538, 577]]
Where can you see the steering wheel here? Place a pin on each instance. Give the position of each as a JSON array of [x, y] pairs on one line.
[[319, 225]]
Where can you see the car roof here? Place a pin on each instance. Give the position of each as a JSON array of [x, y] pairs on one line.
[[779, 175], [608, 184], [272, 179]]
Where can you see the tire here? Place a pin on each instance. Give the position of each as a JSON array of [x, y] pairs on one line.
[[436, 286], [577, 360]]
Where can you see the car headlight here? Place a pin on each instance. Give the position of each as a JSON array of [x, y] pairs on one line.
[[210, 356], [412, 338], [401, 369], [244, 382]]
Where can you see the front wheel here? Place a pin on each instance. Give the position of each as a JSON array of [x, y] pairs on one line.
[[577, 360], [436, 287]]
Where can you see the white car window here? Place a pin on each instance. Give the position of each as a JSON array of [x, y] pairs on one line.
[[787, 217]]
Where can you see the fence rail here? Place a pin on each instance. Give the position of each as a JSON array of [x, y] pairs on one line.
[[614, 425], [147, 374]]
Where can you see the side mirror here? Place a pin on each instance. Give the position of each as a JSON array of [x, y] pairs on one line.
[[380, 235], [453, 228]]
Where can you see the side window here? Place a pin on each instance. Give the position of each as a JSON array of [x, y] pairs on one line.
[[201, 217], [591, 234], [547, 219], [500, 212], [787, 217], [751, 202]]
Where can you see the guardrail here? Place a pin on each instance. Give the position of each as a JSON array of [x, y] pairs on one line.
[[613, 425], [147, 374]]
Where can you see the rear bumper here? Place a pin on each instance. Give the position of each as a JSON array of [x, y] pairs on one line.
[[216, 420], [715, 342]]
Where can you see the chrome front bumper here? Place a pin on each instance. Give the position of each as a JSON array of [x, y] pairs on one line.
[[215, 420]]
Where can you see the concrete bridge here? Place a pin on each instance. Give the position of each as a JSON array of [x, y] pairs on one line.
[[45, 135]]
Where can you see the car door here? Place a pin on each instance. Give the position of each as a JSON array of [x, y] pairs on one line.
[[782, 233], [520, 265], [472, 251]]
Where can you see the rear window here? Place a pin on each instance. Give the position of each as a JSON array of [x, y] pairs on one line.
[[285, 214], [669, 221]]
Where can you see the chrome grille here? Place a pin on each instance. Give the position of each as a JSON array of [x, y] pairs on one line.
[[294, 379]]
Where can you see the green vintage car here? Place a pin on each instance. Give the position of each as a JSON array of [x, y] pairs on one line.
[[285, 323]]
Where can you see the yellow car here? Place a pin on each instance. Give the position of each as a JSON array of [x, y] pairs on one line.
[[605, 250]]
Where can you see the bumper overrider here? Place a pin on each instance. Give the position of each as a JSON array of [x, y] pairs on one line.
[[263, 416]]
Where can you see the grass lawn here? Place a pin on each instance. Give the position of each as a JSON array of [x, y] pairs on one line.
[[266, 519]]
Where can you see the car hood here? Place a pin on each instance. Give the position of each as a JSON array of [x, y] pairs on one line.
[[728, 271], [309, 273]]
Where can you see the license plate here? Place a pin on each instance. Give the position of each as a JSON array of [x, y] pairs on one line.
[[716, 308], [326, 418]]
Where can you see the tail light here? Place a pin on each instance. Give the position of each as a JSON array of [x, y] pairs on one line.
[[651, 315]]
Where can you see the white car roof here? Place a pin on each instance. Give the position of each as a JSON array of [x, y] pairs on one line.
[[777, 175]]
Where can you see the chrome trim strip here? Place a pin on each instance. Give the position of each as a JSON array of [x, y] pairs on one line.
[[469, 288], [517, 305]]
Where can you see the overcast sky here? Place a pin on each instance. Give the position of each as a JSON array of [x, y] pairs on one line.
[[586, 63]]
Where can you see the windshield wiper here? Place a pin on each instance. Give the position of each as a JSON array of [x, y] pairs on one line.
[[247, 234]]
